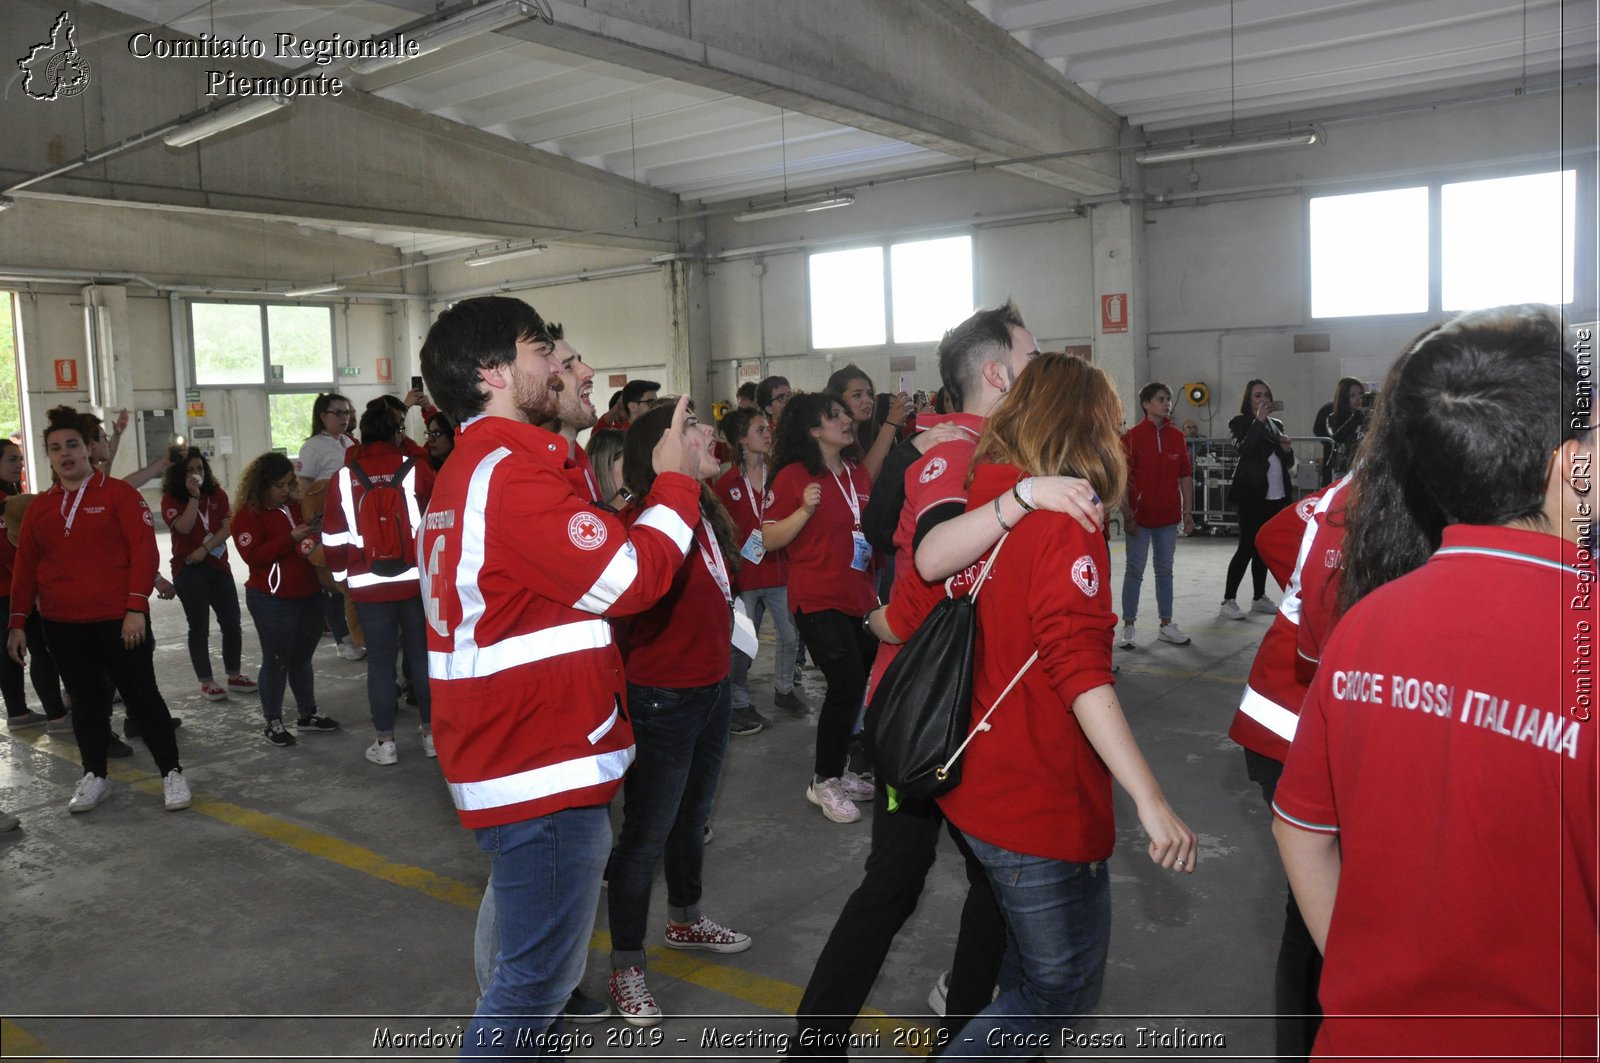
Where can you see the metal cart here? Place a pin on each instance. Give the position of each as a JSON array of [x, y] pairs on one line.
[[1214, 461]]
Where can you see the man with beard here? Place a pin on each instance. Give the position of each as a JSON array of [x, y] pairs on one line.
[[520, 573], [574, 412]]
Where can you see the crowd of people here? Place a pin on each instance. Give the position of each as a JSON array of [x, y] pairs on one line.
[[1415, 776]]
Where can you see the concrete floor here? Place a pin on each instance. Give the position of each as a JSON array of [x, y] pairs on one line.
[[311, 903]]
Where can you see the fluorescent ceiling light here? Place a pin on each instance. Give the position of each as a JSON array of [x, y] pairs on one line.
[[483, 258], [803, 206], [1231, 147], [468, 24], [226, 117], [315, 289]]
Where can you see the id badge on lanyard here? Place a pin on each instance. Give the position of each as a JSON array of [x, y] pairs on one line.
[[755, 546], [860, 549]]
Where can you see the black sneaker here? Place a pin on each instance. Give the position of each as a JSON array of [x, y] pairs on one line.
[[118, 748], [747, 721], [316, 723], [278, 734], [584, 1009], [793, 703], [133, 730]]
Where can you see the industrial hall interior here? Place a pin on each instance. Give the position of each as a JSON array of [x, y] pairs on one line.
[[235, 236]]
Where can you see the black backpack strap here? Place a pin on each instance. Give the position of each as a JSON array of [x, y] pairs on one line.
[[360, 474], [405, 467]]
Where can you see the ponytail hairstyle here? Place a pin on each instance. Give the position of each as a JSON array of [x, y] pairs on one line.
[[380, 422], [258, 477], [320, 407], [792, 440], [1463, 433], [733, 428], [1028, 430], [640, 475]]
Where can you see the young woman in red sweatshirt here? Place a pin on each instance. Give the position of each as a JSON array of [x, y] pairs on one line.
[[87, 551], [282, 593], [1034, 801], [196, 510], [46, 682], [676, 658]]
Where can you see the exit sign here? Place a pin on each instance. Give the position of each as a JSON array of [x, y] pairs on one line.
[[349, 370]]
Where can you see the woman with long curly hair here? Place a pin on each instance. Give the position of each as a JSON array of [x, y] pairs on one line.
[[197, 512], [283, 593], [1034, 801]]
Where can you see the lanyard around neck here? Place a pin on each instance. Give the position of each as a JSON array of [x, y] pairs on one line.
[[750, 493], [77, 500], [713, 559], [851, 499]]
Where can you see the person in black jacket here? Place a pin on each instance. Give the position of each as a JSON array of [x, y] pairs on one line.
[[1260, 489], [1344, 421]]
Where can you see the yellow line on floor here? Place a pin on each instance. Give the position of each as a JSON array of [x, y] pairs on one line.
[[770, 994], [18, 1043]]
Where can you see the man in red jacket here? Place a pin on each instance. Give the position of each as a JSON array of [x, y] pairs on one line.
[[519, 573]]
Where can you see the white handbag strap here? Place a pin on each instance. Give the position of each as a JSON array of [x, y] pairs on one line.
[[983, 575], [983, 724]]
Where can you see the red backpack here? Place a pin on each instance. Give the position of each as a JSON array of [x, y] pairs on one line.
[[383, 520]]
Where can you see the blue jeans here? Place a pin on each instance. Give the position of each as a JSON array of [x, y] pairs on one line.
[[204, 589], [775, 599], [290, 629], [1058, 931], [681, 736], [1138, 544], [546, 881], [386, 625]]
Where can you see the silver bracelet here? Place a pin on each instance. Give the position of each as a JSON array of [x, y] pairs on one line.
[[1000, 516]]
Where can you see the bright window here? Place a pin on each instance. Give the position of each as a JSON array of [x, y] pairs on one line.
[[237, 343], [1509, 240], [847, 298], [931, 284], [1369, 253], [928, 289]]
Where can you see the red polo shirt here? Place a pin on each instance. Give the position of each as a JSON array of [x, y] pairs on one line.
[[820, 576], [745, 503], [1438, 742]]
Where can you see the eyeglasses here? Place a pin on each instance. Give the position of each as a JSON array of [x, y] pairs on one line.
[[435, 434], [779, 400], [346, 412]]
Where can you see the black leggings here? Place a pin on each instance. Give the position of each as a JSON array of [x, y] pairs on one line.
[[1252, 515], [86, 654], [843, 649]]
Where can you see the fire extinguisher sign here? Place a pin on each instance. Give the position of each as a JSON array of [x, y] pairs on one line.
[[66, 374], [1114, 312]]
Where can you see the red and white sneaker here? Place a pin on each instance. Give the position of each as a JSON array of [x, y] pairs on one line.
[[704, 934], [211, 693], [241, 684], [632, 997]]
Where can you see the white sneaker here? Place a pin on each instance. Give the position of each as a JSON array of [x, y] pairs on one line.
[[92, 789], [939, 994], [632, 997], [427, 744], [381, 751], [350, 651], [1171, 633], [175, 791], [829, 796], [1264, 605], [1230, 610], [1126, 643], [857, 787]]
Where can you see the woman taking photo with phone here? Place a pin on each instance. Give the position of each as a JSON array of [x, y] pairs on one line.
[[88, 551], [817, 498], [282, 593], [197, 512], [1260, 488], [1034, 799]]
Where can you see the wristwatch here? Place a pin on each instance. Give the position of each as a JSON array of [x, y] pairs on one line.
[[866, 622], [1023, 493]]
